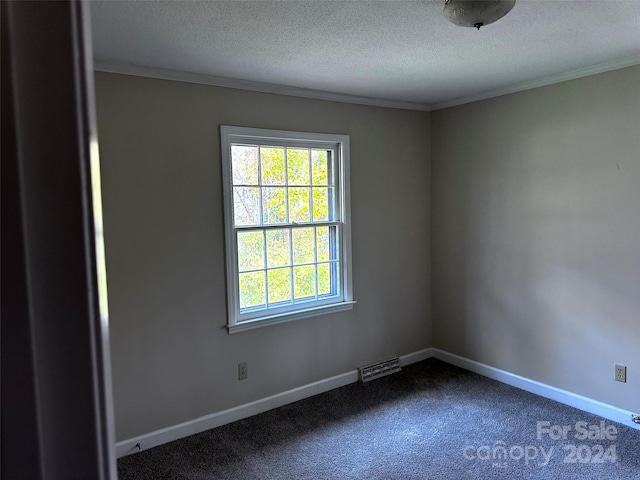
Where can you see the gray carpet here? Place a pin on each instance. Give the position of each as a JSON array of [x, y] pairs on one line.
[[430, 421]]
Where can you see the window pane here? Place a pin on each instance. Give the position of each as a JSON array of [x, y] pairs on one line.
[[272, 166], [299, 205], [279, 285], [298, 166], [250, 251], [244, 160], [334, 250], [324, 279], [252, 289], [278, 248], [319, 171], [246, 210], [331, 191], [303, 245], [320, 204], [274, 205], [322, 241], [335, 275], [286, 223], [327, 243], [304, 282]]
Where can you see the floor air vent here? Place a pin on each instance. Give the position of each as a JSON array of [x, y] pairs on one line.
[[379, 369]]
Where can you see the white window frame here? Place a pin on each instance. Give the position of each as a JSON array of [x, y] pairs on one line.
[[238, 321]]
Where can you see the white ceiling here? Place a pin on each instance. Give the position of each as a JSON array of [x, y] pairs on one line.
[[402, 53]]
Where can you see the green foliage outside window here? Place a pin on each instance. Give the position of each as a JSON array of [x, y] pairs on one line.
[[287, 191]]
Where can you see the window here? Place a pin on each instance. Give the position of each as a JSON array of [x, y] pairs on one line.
[[288, 238]]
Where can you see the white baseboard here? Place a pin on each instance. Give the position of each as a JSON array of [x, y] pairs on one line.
[[169, 434], [414, 357], [563, 396]]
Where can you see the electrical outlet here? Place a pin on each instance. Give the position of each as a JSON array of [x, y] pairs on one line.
[[621, 373], [243, 371]]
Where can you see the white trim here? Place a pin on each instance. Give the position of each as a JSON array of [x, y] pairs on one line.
[[415, 357], [290, 316], [198, 425], [344, 189], [550, 80], [239, 321], [169, 434], [203, 79], [267, 136], [563, 396]]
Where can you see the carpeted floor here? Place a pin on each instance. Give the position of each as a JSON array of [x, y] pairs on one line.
[[430, 421]]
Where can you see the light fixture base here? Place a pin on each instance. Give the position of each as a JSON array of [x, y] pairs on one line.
[[476, 13]]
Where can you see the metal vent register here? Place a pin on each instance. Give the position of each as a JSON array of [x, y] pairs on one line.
[[379, 369]]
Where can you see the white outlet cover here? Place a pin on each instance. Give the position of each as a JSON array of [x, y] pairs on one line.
[[620, 373]]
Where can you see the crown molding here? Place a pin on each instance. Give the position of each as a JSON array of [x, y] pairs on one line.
[[202, 79], [549, 80]]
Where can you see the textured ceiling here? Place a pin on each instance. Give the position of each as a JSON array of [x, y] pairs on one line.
[[404, 51]]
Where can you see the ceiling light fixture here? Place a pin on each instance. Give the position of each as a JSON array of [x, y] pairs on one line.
[[469, 13]]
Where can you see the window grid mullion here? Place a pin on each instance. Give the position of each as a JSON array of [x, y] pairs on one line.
[[261, 220], [291, 262], [280, 226], [315, 256], [331, 186], [288, 221], [310, 264], [266, 270], [336, 214], [310, 187], [333, 240], [286, 188]]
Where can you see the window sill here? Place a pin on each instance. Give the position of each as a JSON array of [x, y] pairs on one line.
[[290, 316]]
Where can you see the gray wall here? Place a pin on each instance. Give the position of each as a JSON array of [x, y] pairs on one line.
[[536, 233], [172, 359]]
